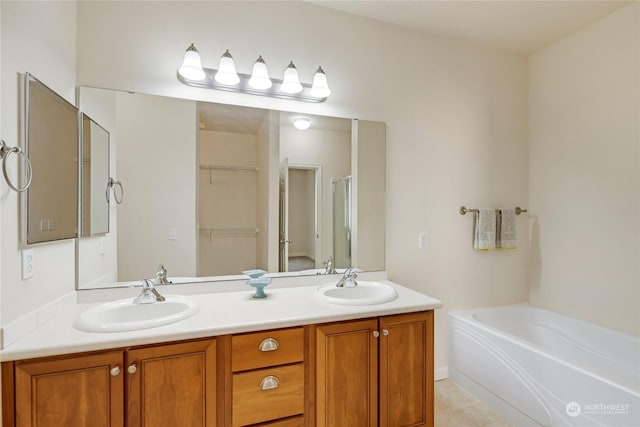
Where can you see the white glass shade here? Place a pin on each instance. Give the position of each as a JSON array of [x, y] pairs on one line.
[[260, 76], [301, 123], [291, 82], [191, 67], [320, 88], [227, 74]]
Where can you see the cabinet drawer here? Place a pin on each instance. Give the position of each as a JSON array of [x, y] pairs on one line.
[[289, 422], [262, 349], [283, 397]]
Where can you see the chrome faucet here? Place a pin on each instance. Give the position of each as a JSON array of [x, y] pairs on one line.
[[149, 294], [349, 278], [329, 267], [161, 276]]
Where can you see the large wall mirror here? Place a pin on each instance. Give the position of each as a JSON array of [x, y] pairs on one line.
[[50, 205], [212, 190]]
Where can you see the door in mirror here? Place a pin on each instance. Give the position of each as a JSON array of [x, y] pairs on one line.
[[94, 173]]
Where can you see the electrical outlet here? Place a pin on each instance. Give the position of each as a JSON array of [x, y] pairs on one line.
[[173, 234], [27, 264], [423, 240]]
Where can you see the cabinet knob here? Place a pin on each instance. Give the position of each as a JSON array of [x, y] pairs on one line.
[[269, 344], [132, 369], [115, 371], [385, 332], [376, 334], [269, 383]]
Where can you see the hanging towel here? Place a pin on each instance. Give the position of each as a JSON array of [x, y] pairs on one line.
[[506, 229], [485, 230]]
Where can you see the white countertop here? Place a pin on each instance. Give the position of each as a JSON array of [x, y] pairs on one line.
[[219, 314]]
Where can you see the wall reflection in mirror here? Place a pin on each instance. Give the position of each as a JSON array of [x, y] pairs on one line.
[[214, 189]]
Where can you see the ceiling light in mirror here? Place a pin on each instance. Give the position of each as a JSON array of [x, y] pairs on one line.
[[291, 82], [320, 88], [260, 76], [302, 123], [227, 74]]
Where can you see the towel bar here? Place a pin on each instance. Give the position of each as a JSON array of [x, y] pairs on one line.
[[463, 210]]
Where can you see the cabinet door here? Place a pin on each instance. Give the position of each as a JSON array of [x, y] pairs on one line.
[[81, 391], [346, 374], [406, 370], [172, 385]]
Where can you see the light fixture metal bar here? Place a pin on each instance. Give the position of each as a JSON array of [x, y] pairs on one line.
[[209, 82]]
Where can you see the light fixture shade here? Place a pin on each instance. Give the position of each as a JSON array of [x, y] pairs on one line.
[[301, 123], [320, 88], [291, 82], [260, 76], [227, 74], [191, 67]]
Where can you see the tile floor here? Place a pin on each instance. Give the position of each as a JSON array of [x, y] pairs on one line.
[[454, 407]]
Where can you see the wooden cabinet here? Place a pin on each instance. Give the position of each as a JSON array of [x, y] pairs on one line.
[[268, 380], [168, 385], [76, 391], [172, 385], [376, 372], [371, 372]]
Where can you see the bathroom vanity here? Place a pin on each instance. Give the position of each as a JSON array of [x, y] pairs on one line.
[[291, 360]]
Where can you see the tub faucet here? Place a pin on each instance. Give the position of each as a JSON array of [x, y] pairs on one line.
[[149, 294], [329, 267], [349, 278], [161, 276]]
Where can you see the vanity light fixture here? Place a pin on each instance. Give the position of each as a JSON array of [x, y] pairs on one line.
[[291, 83], [260, 76], [302, 123], [227, 74], [191, 67], [191, 73], [320, 86]]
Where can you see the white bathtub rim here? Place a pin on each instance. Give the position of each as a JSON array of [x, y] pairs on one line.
[[465, 316]]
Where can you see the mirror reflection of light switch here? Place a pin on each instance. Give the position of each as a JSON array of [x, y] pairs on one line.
[[173, 234]]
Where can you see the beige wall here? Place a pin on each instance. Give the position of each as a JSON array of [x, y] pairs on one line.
[[38, 37], [227, 203], [584, 173], [97, 255], [161, 193], [302, 201], [330, 149]]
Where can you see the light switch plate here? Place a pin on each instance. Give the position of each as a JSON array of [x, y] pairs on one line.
[[27, 264]]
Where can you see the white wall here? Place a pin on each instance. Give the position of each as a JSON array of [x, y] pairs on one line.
[[38, 37], [585, 173], [456, 119]]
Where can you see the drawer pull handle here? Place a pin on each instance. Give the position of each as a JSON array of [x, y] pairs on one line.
[[269, 383], [269, 344], [115, 371]]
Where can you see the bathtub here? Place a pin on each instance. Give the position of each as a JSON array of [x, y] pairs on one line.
[[540, 368]]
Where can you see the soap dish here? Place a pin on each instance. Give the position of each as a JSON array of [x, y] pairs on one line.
[[259, 284], [254, 274]]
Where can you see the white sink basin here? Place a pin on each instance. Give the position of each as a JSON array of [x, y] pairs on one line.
[[124, 315], [366, 293]]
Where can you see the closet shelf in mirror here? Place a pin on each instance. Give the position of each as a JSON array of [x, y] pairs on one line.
[[229, 231], [232, 168]]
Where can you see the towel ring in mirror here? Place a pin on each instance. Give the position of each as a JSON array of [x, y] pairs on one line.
[[5, 153], [112, 183]]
